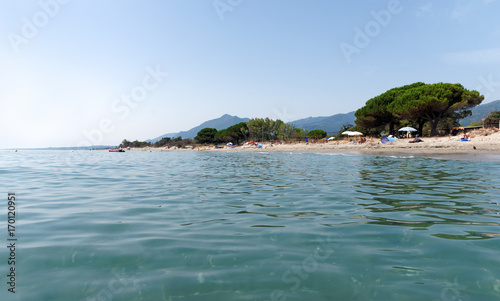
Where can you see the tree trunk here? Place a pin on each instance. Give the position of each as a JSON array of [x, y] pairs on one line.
[[434, 126], [391, 128], [420, 127]]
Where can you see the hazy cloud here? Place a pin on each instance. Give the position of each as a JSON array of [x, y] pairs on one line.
[[482, 56]]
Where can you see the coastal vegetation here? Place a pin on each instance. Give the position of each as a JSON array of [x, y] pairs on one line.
[[431, 108], [136, 143], [493, 120], [206, 135], [420, 104], [317, 134]]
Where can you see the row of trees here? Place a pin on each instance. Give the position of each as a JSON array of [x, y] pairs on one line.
[[418, 103], [493, 120], [258, 129], [164, 142], [136, 143]]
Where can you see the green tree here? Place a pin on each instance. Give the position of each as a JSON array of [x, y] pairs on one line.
[[299, 133], [256, 128], [165, 141], [288, 130], [206, 135], [433, 102], [125, 143], [279, 129], [234, 134], [376, 111], [475, 123], [493, 119], [343, 128], [317, 134]]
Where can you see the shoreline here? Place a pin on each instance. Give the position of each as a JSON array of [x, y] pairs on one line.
[[483, 144]]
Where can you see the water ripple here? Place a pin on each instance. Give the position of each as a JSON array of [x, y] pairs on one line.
[[254, 226]]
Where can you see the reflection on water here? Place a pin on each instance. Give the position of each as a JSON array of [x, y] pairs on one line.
[[416, 194], [254, 226]]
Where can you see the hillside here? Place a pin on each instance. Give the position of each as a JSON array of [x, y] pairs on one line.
[[480, 112], [330, 124], [220, 123]]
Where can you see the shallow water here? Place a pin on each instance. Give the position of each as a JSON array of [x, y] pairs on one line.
[[93, 225]]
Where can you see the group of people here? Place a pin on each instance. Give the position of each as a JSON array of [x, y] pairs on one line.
[[464, 137]]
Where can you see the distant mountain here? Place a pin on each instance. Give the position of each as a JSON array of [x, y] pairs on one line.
[[220, 123], [330, 124], [481, 111]]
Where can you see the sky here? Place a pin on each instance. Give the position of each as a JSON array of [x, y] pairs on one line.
[[76, 72]]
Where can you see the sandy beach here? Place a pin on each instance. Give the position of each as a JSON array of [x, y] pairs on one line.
[[480, 142]]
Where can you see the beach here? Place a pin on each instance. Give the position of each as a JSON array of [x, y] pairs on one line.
[[484, 141]]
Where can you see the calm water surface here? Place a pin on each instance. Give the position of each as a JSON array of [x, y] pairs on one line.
[[93, 225]]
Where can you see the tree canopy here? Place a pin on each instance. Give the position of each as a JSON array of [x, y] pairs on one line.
[[376, 112], [493, 120], [206, 135], [419, 103], [267, 129], [318, 134], [234, 134], [434, 102]]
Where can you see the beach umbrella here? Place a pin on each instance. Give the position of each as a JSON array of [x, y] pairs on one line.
[[230, 143], [355, 134], [331, 138], [407, 129], [351, 133]]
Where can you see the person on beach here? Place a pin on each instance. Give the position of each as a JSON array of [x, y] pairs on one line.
[[416, 140]]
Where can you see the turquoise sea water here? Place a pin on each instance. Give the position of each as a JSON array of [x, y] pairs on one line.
[[93, 225]]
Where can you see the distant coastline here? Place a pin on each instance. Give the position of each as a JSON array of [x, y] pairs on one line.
[[480, 143], [96, 147]]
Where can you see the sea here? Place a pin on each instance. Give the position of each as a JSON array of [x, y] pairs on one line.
[[200, 225]]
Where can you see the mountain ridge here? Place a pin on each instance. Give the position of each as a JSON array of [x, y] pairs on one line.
[[331, 124], [220, 123], [480, 112]]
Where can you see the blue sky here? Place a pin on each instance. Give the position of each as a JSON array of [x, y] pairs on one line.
[[97, 72]]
